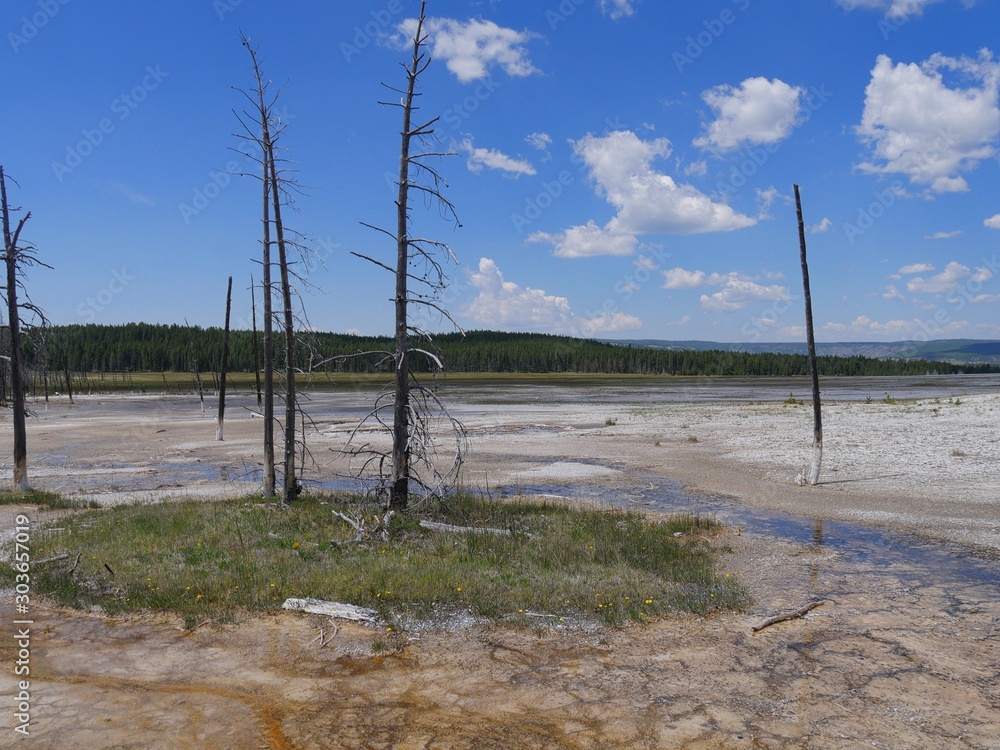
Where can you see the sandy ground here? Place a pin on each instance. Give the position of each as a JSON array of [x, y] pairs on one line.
[[900, 655]]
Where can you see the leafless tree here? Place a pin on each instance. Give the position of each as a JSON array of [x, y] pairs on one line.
[[224, 366], [263, 128], [17, 256], [817, 457], [419, 278]]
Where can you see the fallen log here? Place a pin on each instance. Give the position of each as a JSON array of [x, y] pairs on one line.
[[331, 609], [800, 612], [435, 526]]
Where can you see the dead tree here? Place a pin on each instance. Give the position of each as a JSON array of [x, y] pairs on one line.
[[256, 352], [17, 257], [264, 134], [817, 457], [418, 261], [224, 365]]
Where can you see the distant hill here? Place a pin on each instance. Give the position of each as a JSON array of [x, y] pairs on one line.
[[955, 351]]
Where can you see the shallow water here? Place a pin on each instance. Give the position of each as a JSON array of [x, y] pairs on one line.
[[931, 563]]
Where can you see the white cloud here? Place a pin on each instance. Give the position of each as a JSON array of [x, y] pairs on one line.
[[891, 292], [993, 222], [766, 199], [471, 48], [943, 235], [541, 141], [494, 159], [503, 304], [696, 168], [943, 282], [986, 298], [738, 291], [648, 202], [919, 126], [899, 10], [823, 226], [900, 329], [759, 111], [644, 262], [981, 275], [916, 268], [678, 278], [617, 8], [587, 241]]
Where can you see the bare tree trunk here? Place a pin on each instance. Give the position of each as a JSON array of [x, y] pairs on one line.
[[11, 256], [268, 322], [817, 458], [69, 378], [290, 488], [400, 488], [224, 367], [16, 371], [256, 353]]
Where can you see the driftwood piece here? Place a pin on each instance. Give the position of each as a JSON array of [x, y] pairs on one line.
[[50, 559], [800, 612], [435, 526], [331, 609]]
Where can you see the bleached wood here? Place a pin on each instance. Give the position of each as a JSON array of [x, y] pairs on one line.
[[331, 609]]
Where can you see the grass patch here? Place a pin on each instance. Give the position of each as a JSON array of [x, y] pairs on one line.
[[218, 560], [43, 499]]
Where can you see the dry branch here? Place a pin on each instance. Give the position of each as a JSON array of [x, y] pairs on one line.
[[800, 612]]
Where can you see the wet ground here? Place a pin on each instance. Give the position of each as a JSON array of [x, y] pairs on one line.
[[903, 653]]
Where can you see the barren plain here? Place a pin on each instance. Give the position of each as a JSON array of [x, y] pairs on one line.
[[900, 540]]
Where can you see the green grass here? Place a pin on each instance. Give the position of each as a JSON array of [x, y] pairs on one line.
[[220, 560], [43, 499]]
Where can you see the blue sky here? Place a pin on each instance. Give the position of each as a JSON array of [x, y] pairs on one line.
[[623, 168]]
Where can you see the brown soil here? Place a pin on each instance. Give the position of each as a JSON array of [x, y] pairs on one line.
[[894, 658]]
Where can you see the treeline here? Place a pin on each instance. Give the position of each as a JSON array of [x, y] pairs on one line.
[[143, 347]]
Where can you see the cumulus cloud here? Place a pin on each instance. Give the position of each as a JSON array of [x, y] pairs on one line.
[[943, 235], [738, 291], [823, 226], [916, 268], [471, 48], [505, 305], [491, 158], [678, 278], [891, 292], [587, 241], [899, 329], [898, 10], [993, 222], [758, 111], [540, 141], [918, 125], [945, 281], [647, 202]]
